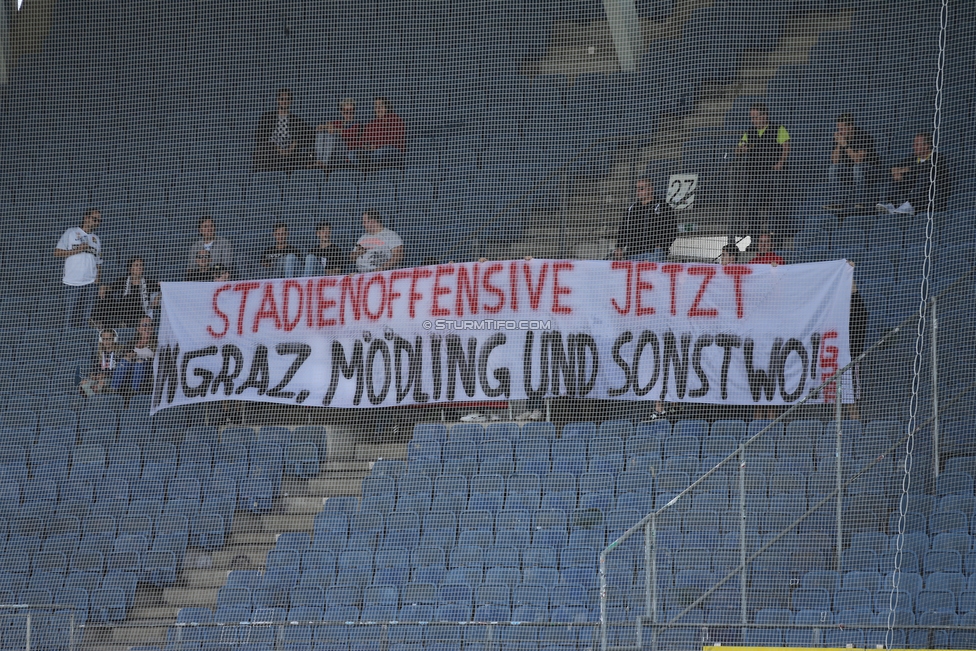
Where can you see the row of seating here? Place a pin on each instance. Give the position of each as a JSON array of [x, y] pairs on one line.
[[661, 429], [718, 625]]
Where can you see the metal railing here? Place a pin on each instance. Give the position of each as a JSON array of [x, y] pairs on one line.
[[649, 524], [43, 625], [277, 633]]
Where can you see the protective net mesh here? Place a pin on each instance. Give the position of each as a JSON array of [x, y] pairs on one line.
[[162, 142]]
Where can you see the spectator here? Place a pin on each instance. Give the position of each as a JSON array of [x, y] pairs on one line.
[[763, 152], [281, 138], [913, 177], [379, 248], [326, 258], [766, 254], [384, 141], [221, 274], [853, 164], [281, 258], [647, 226], [336, 141], [208, 251], [126, 301], [137, 355], [730, 255], [103, 365], [82, 250]]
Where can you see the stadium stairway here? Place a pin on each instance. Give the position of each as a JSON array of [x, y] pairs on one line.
[[594, 206], [251, 537]]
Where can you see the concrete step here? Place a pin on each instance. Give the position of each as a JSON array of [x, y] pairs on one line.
[[121, 637], [190, 597], [371, 452], [203, 578], [261, 528]]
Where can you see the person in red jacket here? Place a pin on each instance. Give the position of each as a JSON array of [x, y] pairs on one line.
[[766, 254], [336, 142], [384, 140]]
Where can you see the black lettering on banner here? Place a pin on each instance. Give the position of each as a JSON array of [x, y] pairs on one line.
[[501, 375], [792, 346], [415, 367], [815, 347], [378, 347], [622, 340], [301, 352], [354, 367], [580, 343], [226, 377], [466, 367], [205, 376], [563, 371], [762, 384], [167, 374], [679, 359], [646, 337], [527, 368], [259, 376], [727, 343], [435, 365], [703, 342]]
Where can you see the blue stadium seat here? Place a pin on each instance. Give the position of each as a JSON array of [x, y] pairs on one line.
[[543, 430], [402, 530], [954, 483], [415, 492]]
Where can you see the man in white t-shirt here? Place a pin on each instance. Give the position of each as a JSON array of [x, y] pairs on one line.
[[379, 248], [82, 253]]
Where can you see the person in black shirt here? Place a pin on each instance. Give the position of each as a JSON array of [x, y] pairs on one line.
[[326, 258], [853, 166], [126, 301], [912, 177], [762, 152], [281, 258], [282, 140], [648, 225]]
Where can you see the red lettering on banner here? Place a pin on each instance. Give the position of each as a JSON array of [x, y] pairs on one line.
[[268, 309], [418, 273], [629, 266], [673, 270], [643, 286], [392, 295], [244, 289], [322, 303], [467, 283], [737, 271], [560, 290], [513, 285], [373, 280], [535, 294], [490, 271], [355, 298], [309, 297], [708, 271], [290, 285], [435, 308], [219, 313], [829, 355]]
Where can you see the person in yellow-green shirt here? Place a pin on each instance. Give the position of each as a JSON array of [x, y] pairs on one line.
[[763, 151]]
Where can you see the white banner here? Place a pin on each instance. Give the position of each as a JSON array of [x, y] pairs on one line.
[[734, 334]]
